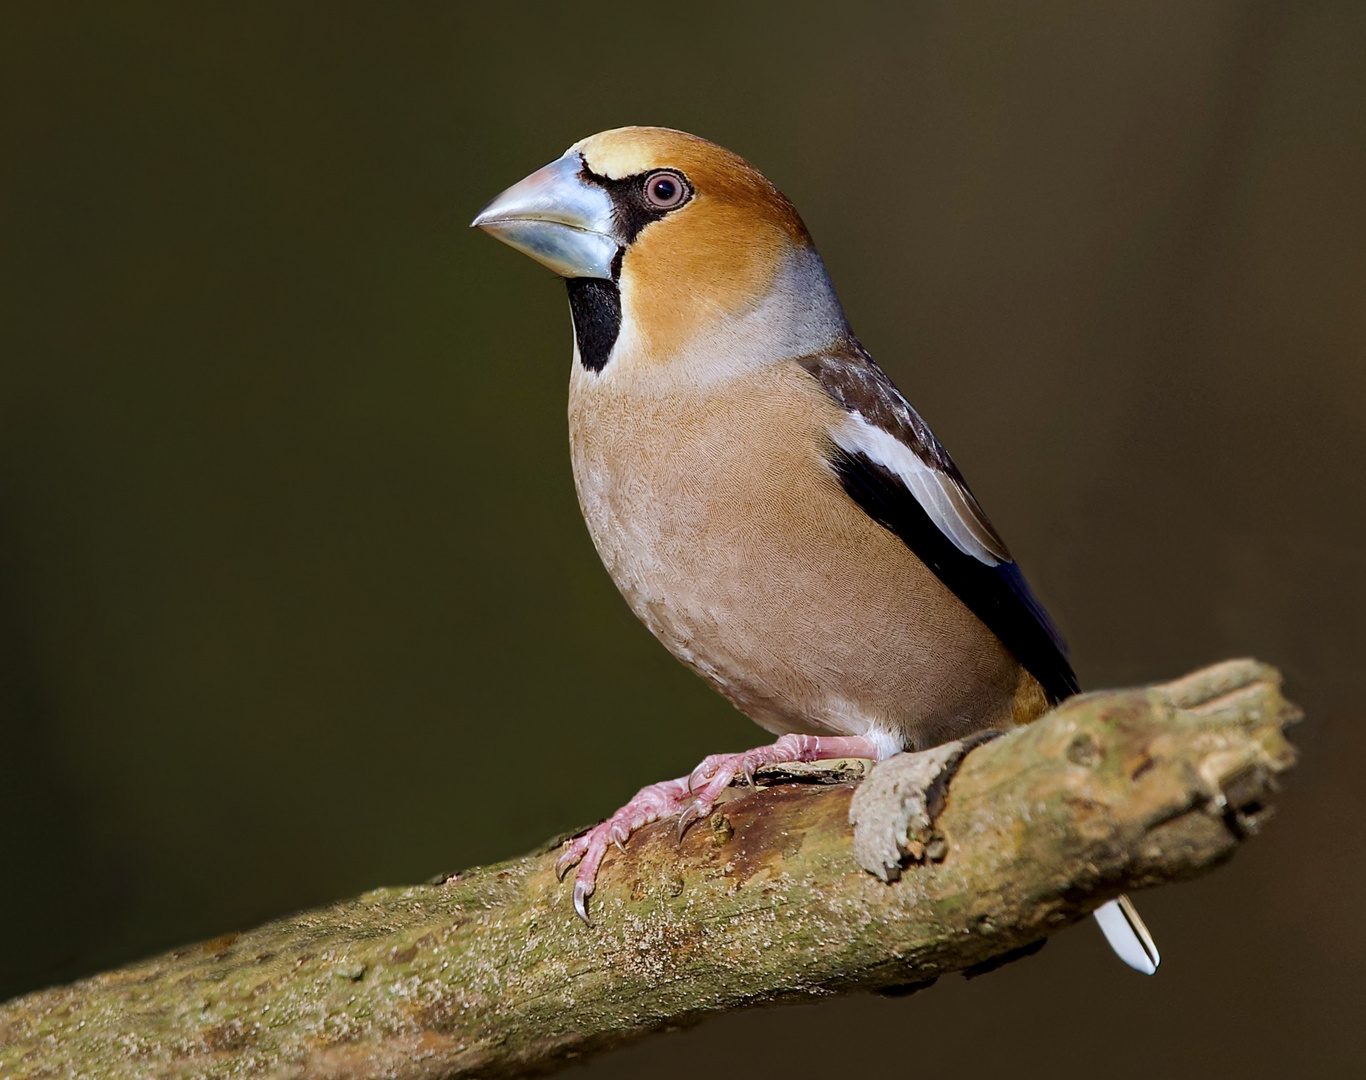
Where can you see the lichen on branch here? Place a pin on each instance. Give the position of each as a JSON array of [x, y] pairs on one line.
[[489, 972]]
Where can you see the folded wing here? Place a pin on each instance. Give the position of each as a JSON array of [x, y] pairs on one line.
[[890, 463]]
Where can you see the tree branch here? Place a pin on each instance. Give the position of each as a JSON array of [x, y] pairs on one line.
[[489, 973]]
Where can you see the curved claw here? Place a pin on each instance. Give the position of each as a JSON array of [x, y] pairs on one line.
[[700, 775], [567, 862], [694, 812], [582, 891]]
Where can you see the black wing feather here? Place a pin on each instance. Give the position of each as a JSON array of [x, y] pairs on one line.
[[996, 593]]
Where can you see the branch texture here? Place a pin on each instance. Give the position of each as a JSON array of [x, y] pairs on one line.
[[489, 973]]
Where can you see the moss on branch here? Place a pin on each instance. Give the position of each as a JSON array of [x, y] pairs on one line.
[[489, 973]]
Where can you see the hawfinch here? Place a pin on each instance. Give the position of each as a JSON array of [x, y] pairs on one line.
[[765, 499]]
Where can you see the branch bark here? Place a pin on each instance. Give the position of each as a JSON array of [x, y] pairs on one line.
[[488, 972]]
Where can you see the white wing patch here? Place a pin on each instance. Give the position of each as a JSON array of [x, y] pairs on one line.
[[948, 504]]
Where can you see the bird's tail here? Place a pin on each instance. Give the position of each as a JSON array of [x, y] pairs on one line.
[[1127, 935]]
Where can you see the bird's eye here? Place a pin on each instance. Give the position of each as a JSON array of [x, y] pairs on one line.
[[664, 190]]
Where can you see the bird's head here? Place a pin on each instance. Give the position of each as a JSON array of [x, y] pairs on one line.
[[664, 238]]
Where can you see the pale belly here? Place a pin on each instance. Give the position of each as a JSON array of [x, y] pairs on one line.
[[731, 540]]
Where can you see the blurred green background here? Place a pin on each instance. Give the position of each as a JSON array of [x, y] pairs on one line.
[[295, 598]]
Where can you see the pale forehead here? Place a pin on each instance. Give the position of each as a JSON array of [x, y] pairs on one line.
[[629, 151], [718, 176]]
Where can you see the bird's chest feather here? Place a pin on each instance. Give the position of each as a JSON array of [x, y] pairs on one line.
[[719, 519], [683, 490]]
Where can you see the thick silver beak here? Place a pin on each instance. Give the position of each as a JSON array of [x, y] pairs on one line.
[[558, 218]]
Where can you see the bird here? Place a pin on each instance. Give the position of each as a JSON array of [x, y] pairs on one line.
[[768, 503]]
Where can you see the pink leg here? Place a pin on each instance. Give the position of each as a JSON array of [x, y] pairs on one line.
[[695, 797], [650, 803]]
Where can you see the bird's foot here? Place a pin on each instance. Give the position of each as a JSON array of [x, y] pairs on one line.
[[719, 771], [693, 797], [650, 803]]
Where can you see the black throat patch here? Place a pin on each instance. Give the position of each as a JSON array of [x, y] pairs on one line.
[[595, 304]]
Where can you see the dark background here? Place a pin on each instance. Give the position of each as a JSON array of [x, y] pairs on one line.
[[295, 598]]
